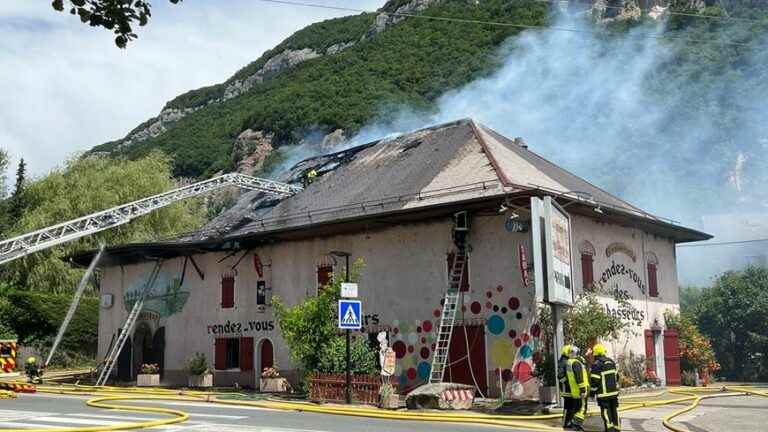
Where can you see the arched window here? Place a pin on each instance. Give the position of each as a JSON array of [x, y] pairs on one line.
[[587, 251], [652, 263], [324, 271]]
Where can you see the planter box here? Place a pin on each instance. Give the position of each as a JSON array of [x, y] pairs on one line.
[[548, 394], [273, 385], [200, 380], [146, 380], [391, 402]]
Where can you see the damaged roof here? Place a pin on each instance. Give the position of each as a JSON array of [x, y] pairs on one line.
[[450, 163]]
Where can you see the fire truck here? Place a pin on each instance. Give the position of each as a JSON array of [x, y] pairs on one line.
[[7, 356]]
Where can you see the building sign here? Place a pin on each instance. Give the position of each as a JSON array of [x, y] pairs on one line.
[[523, 261], [349, 290], [624, 309], [240, 328], [619, 271]]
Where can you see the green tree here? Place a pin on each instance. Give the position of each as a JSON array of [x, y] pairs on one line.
[[733, 314], [16, 203], [363, 359], [695, 348], [689, 297], [85, 186], [309, 328], [117, 15], [587, 321]]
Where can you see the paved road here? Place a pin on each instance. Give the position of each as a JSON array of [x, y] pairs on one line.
[[53, 411], [43, 411]]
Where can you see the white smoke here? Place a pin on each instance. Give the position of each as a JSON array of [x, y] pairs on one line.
[[585, 101]]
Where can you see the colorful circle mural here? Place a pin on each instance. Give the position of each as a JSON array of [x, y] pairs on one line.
[[495, 324]]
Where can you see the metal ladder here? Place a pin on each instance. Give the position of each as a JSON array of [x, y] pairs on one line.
[[125, 332], [448, 317]]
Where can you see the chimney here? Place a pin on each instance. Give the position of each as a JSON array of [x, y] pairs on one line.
[[521, 142]]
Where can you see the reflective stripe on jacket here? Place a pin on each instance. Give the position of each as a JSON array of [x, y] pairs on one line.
[[573, 378], [604, 378]]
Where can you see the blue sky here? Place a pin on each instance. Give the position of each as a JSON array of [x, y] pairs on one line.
[[65, 87]]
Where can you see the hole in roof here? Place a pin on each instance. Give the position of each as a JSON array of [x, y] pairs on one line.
[[412, 145]]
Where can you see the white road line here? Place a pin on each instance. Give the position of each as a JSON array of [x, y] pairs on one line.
[[26, 425], [114, 417], [6, 415], [218, 416], [210, 405], [75, 420]]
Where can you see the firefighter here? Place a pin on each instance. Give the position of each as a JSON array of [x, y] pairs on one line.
[[34, 374], [574, 384], [310, 177], [604, 384]]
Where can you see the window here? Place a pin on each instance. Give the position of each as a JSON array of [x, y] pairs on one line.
[[653, 285], [227, 355], [587, 264], [263, 294], [228, 290], [246, 354], [324, 276]]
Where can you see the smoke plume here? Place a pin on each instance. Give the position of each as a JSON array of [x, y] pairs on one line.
[[621, 110]]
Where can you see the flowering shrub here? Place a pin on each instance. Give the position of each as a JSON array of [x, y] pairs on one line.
[[270, 372], [695, 348], [150, 369]]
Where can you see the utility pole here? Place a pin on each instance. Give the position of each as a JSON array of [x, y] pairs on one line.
[[348, 387]]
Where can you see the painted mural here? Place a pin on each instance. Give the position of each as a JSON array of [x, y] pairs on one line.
[[510, 330], [168, 296]]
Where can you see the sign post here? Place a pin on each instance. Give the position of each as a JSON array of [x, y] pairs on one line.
[[552, 256], [350, 313]]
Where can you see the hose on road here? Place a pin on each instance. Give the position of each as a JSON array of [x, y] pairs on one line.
[[531, 422]]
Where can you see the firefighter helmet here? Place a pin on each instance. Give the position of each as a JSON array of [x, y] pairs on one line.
[[598, 350]]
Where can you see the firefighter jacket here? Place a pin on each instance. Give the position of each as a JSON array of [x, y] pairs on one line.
[[573, 378], [604, 379]]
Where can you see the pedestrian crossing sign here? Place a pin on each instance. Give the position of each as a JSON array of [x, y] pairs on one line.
[[350, 314]]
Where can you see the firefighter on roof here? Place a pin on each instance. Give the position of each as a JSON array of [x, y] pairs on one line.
[[604, 384], [574, 387]]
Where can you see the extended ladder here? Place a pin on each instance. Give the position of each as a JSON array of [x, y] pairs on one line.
[[127, 328], [448, 317], [26, 244]]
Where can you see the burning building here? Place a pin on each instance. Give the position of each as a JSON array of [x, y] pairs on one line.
[[392, 203]]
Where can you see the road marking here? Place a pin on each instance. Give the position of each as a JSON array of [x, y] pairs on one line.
[[209, 405], [114, 417], [221, 416], [25, 425], [75, 420], [6, 415]]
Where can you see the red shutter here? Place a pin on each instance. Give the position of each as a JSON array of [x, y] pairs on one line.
[[220, 360], [672, 357], [587, 272], [267, 356], [465, 277], [227, 291], [324, 276], [650, 353], [246, 354], [653, 287]]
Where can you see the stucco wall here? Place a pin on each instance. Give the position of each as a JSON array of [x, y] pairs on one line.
[[401, 288]]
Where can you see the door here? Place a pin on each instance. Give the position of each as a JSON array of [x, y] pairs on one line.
[[466, 357], [125, 362], [672, 357], [266, 355], [158, 349], [650, 353]]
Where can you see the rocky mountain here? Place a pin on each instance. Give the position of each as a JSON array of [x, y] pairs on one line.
[[326, 81]]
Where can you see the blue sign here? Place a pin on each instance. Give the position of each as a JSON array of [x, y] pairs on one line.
[[350, 314]]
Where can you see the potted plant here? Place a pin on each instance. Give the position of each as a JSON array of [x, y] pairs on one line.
[[199, 373], [389, 397], [272, 382], [545, 372], [149, 375]]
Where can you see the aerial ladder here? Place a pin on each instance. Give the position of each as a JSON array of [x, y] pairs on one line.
[[23, 245], [451, 299]]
